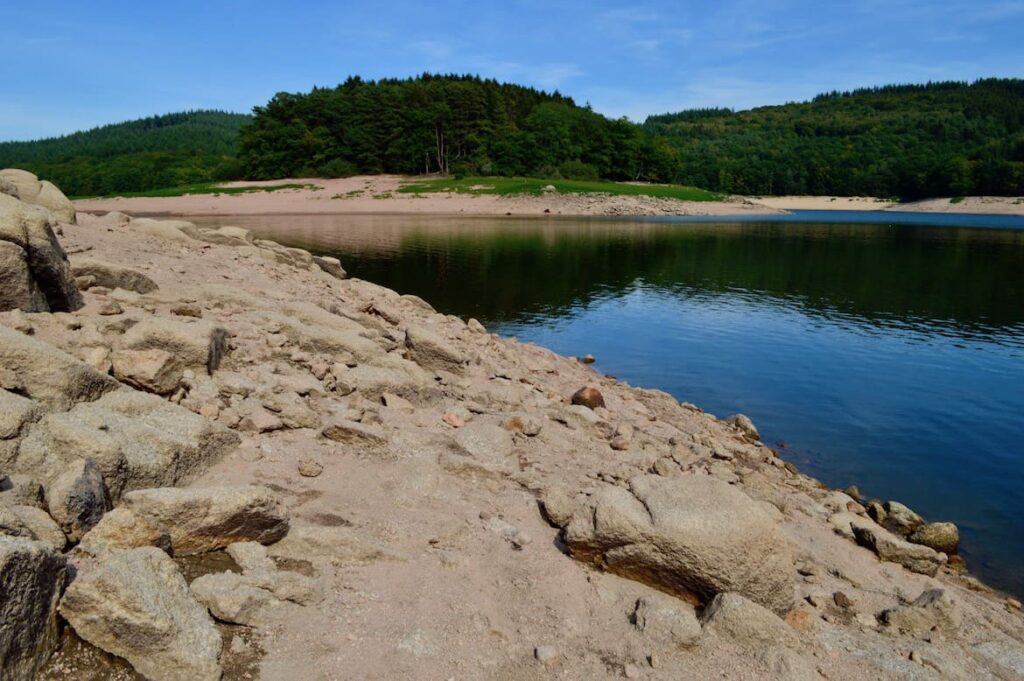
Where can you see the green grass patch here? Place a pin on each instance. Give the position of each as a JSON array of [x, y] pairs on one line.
[[207, 188], [957, 199], [511, 186]]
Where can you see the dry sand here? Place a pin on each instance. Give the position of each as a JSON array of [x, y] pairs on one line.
[[379, 194]]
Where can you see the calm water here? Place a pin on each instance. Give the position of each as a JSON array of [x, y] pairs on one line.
[[886, 355]]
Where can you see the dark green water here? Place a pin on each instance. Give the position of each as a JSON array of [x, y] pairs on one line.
[[890, 356]]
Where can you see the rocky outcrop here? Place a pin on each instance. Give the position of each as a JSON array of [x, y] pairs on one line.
[[32, 578], [26, 187], [112, 276], [207, 519], [37, 277], [690, 536], [137, 605]]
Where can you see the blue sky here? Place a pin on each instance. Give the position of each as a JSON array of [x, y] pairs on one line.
[[73, 65]]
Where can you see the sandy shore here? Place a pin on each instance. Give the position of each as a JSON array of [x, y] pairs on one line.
[[379, 194]]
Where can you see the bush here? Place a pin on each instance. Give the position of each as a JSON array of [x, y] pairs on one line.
[[338, 167], [578, 170]]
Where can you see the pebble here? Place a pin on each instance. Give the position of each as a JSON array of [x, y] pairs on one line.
[[545, 654], [453, 420], [310, 468], [842, 600], [588, 359], [631, 671], [1013, 604], [110, 308]]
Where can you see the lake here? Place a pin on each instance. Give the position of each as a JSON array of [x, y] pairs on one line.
[[876, 349]]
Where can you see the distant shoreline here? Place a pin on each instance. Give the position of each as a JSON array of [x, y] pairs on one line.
[[378, 194]]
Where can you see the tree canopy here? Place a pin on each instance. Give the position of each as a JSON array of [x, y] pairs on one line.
[[159, 151]]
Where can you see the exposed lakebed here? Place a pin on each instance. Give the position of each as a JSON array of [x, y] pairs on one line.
[[877, 349]]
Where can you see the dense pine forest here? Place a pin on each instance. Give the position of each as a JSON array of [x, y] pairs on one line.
[[150, 153], [912, 141], [462, 125]]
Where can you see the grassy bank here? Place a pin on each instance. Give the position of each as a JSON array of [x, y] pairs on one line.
[[206, 188], [508, 186]]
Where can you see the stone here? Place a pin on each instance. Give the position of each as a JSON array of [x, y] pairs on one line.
[[354, 433], [475, 326], [889, 547], [32, 578], [78, 498], [50, 376], [587, 359], [32, 231], [40, 525], [21, 490], [933, 610], [310, 468], [430, 351], [227, 236], [187, 310], [11, 525], [16, 413], [942, 537], [588, 397], [899, 519], [842, 600], [152, 370], [112, 276], [735, 617], [545, 654], [331, 266], [743, 424], [123, 529], [198, 345], [259, 420], [207, 519], [18, 289], [170, 230], [231, 598], [137, 605], [25, 186], [667, 620], [111, 308], [622, 438], [688, 535], [558, 505]]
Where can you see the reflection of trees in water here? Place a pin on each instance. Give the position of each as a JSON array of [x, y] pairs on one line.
[[971, 278]]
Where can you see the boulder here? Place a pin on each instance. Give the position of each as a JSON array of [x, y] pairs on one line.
[[196, 344], [11, 525], [78, 498], [30, 190], [742, 423], [21, 490], [152, 370], [933, 610], [32, 231], [900, 519], [735, 617], [137, 605], [667, 620], [207, 519], [170, 230], [588, 397], [112, 276], [15, 413], [32, 578], [43, 373], [137, 440], [331, 266], [943, 537], [431, 351], [231, 597], [226, 236], [18, 290], [889, 547], [41, 526], [123, 529], [692, 536]]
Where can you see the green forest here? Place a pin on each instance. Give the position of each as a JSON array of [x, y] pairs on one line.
[[907, 141], [151, 153]]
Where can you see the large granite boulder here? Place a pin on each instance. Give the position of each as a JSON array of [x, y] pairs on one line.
[[30, 229], [32, 578], [694, 537], [137, 605], [25, 186], [207, 519], [196, 344]]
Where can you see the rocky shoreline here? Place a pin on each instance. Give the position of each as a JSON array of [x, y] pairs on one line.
[[222, 458]]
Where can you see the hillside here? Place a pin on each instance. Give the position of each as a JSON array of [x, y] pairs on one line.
[[159, 151], [912, 141], [462, 125]]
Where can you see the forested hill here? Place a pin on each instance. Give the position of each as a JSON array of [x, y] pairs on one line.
[[940, 139], [434, 123], [160, 151]]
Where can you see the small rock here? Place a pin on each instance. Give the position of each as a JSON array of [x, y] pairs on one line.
[[187, 310], [587, 359], [476, 326], [854, 492], [453, 420], [866, 620], [588, 397], [933, 610], [631, 671], [545, 654], [743, 423], [842, 600], [310, 468], [1013, 604], [899, 519], [666, 619], [111, 308]]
